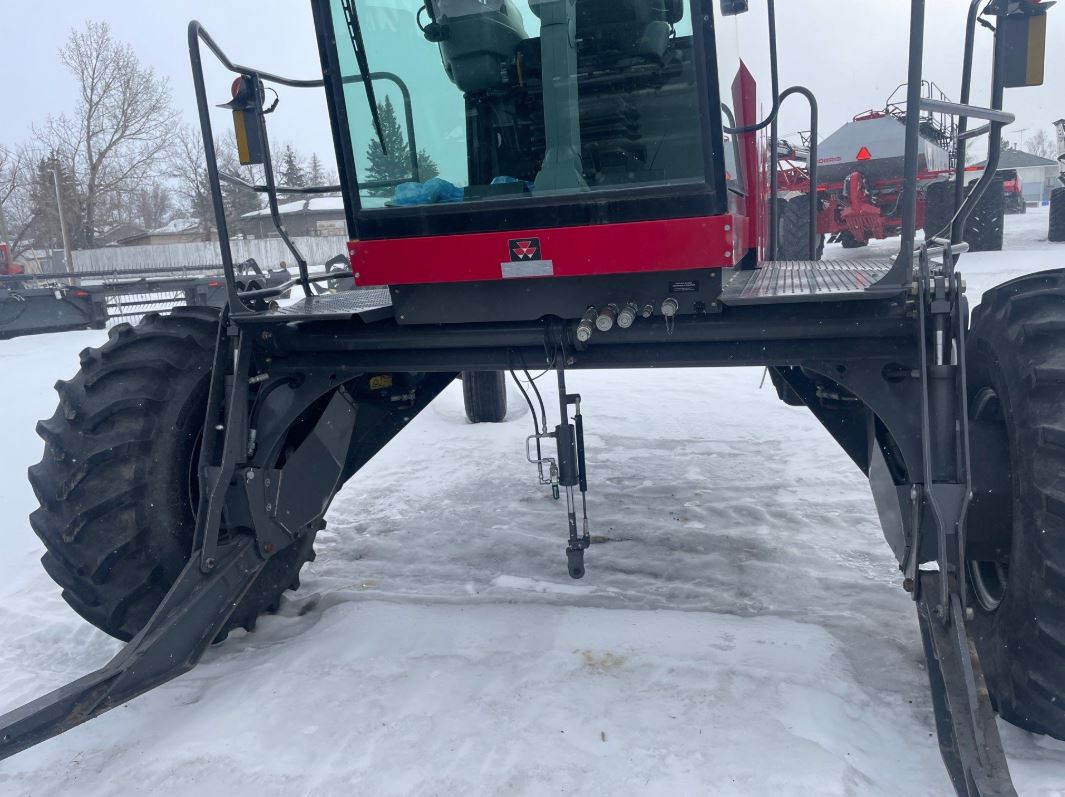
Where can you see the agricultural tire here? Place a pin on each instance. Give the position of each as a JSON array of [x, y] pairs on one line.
[[484, 394], [848, 241], [1016, 567], [340, 263], [1056, 231], [985, 226], [117, 482], [793, 230], [938, 209]]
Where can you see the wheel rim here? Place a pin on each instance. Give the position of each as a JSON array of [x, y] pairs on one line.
[[991, 515], [989, 581]]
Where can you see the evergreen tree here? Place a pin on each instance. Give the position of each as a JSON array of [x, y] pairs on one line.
[[395, 163], [46, 231], [315, 172], [292, 171], [427, 168]]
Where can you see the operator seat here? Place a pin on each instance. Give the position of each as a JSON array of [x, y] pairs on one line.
[[617, 32], [477, 40], [623, 46], [623, 31]]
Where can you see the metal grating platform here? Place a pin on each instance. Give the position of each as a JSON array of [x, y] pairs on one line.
[[806, 281], [370, 304]]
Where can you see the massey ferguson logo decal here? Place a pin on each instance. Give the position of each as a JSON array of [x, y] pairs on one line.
[[524, 249]]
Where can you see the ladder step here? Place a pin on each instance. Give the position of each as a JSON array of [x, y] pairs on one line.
[[782, 281], [369, 304]]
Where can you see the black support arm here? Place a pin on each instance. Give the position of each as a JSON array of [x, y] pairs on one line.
[[191, 616]]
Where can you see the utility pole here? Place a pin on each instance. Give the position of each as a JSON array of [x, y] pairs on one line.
[[62, 222]]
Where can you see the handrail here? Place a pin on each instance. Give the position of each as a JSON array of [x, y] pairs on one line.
[[971, 111], [994, 145], [197, 34], [736, 153], [811, 167], [277, 290], [240, 182], [295, 83], [774, 77], [976, 132], [901, 272], [963, 123]]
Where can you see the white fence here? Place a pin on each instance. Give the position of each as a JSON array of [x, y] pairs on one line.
[[269, 253]]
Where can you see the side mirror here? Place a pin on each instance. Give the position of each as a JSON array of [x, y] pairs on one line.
[[730, 8], [1024, 26]]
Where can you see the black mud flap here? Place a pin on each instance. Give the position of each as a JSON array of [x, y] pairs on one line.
[[965, 721], [191, 615]]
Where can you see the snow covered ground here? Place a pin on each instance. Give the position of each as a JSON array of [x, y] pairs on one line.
[[741, 630]]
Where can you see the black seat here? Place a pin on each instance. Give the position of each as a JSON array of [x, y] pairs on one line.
[[622, 30], [616, 31]]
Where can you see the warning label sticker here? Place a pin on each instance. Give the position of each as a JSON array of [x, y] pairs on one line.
[[684, 286]]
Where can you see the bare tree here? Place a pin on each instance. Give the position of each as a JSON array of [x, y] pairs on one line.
[[237, 200], [1041, 144], [16, 204], [122, 125], [154, 205], [188, 168]]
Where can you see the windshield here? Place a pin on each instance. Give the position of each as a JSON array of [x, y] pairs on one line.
[[505, 100]]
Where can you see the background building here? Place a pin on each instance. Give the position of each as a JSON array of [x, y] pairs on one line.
[[321, 216], [1038, 175]]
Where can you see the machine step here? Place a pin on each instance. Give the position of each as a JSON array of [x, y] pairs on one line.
[[778, 282], [369, 304]]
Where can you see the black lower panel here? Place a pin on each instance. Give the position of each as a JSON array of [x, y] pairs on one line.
[[695, 291], [38, 310]]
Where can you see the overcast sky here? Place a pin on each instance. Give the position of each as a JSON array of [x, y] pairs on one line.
[[852, 53]]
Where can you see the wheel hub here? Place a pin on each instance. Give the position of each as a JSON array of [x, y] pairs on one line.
[[989, 526], [989, 580]]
